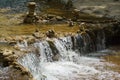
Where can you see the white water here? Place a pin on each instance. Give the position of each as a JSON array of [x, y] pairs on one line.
[[70, 65]]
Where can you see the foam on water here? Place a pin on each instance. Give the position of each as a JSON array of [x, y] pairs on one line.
[[87, 68], [66, 70]]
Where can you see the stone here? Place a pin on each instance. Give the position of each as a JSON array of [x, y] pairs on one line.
[[31, 7], [22, 70], [7, 53], [56, 57], [59, 18], [71, 23], [76, 13], [12, 43], [50, 34], [7, 57], [31, 16], [31, 41], [31, 19], [50, 16], [36, 34], [82, 26]]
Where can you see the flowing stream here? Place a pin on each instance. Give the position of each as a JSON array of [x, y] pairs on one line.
[[65, 58], [62, 59]]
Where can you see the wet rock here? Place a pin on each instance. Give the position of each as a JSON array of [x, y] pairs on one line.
[[79, 42], [31, 19], [36, 34], [56, 57], [54, 51], [50, 34], [83, 26], [12, 43], [31, 40]]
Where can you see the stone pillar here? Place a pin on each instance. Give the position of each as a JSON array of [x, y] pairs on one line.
[[31, 15], [31, 7]]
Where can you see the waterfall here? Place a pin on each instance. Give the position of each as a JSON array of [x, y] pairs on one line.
[[64, 46], [69, 65], [45, 51]]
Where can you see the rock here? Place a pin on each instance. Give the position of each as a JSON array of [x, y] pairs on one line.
[[82, 26], [71, 23], [56, 57], [50, 34], [31, 41], [54, 50], [31, 19], [36, 34], [7, 53], [31, 16], [24, 72], [9, 59], [76, 13], [59, 18], [12, 43], [50, 16], [31, 6]]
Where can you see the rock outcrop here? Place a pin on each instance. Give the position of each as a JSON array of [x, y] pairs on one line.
[[8, 59]]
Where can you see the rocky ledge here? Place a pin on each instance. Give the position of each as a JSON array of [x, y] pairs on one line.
[[9, 67]]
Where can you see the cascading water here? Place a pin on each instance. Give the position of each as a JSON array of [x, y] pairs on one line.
[[69, 65]]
